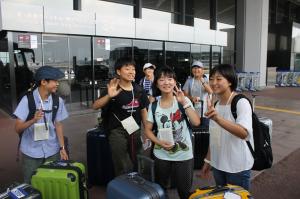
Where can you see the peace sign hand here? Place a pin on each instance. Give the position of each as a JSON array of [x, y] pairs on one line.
[[112, 88], [179, 95]]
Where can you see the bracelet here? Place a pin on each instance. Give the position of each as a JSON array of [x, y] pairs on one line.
[[186, 105], [189, 106], [207, 161], [62, 148]]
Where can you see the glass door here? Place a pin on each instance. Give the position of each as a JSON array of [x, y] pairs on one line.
[[72, 55], [106, 53], [178, 57]]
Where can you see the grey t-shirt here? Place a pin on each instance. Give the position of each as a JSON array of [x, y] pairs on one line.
[[195, 89]]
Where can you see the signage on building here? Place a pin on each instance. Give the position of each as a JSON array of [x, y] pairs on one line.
[[27, 41], [103, 42]]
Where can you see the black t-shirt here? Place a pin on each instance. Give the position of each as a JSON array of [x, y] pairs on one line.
[[122, 105]]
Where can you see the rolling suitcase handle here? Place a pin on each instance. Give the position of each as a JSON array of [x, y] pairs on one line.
[[142, 158]]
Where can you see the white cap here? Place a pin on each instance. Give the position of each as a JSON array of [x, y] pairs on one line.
[[147, 65], [197, 63]]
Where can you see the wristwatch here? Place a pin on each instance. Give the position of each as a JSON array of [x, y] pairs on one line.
[[62, 148]]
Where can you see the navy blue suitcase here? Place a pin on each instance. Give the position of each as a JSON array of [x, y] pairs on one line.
[[134, 186], [99, 161]]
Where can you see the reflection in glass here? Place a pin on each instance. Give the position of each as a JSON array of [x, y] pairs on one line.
[[56, 54], [216, 55], [5, 87], [106, 53], [80, 74], [165, 5], [127, 2], [178, 57], [147, 51], [141, 56], [226, 23], [201, 11], [28, 58]]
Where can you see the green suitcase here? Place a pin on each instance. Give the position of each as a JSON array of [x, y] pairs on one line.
[[61, 180]]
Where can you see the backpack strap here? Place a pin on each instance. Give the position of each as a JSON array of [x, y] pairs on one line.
[[55, 106], [31, 106], [234, 102], [153, 109]]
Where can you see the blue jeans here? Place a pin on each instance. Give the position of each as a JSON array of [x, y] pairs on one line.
[[241, 178]]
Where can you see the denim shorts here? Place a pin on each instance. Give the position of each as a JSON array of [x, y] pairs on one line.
[[241, 178]]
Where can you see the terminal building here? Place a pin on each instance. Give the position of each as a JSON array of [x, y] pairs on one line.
[[84, 38]]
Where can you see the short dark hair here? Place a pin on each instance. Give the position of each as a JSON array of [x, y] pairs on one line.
[[39, 83], [163, 71], [228, 72], [124, 61]]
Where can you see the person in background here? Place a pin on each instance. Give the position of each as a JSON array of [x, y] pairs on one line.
[[228, 155], [175, 154], [146, 81], [41, 139], [125, 104], [196, 88]]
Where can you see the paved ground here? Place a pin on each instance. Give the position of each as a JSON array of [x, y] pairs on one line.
[[282, 105]]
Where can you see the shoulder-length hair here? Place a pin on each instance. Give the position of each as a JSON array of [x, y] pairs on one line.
[[165, 71]]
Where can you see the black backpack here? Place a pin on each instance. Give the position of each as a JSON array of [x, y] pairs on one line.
[[262, 153], [32, 110]]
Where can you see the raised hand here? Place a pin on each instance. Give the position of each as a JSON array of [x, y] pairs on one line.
[[38, 115], [211, 111], [179, 95], [112, 87]]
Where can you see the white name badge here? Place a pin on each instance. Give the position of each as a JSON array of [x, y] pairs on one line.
[[130, 125], [166, 134], [40, 131]]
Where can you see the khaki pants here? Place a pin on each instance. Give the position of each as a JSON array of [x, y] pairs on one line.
[[124, 149]]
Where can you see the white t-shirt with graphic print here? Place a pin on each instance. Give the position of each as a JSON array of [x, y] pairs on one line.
[[172, 117]]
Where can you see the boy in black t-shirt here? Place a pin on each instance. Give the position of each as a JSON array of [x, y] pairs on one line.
[[127, 107]]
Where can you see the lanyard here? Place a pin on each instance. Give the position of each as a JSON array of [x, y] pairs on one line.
[[132, 102], [229, 98], [44, 111]]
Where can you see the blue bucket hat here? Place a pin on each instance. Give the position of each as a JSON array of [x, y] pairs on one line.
[[48, 72]]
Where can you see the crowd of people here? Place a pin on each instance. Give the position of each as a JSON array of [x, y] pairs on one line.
[[166, 114]]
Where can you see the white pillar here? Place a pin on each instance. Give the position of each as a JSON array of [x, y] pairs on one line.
[[252, 37]]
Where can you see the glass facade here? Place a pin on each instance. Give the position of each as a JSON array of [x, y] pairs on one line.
[[178, 57], [283, 15], [226, 20], [147, 51], [5, 84]]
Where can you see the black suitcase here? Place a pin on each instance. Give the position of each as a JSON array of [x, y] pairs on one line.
[[22, 191], [99, 160], [201, 141]]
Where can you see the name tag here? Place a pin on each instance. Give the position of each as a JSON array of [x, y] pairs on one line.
[[41, 132], [130, 125]]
